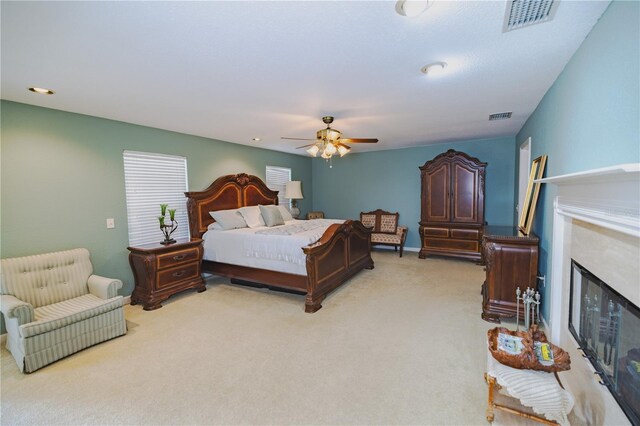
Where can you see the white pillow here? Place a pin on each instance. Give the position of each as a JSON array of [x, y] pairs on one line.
[[215, 226], [252, 216], [271, 215], [229, 219], [286, 215]]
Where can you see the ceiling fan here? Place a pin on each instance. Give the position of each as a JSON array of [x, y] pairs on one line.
[[329, 141]]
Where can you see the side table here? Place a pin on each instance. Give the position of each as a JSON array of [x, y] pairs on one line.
[[161, 271]]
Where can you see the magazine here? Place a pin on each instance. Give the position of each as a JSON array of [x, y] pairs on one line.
[[543, 353], [510, 344]]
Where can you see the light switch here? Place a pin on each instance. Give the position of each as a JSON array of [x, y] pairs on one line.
[[111, 223]]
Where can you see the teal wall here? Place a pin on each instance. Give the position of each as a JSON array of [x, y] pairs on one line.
[[590, 117], [63, 176], [390, 180]]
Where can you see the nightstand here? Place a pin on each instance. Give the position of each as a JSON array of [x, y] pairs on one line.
[[161, 271]]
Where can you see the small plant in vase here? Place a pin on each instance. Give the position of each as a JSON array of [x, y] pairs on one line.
[[167, 228]]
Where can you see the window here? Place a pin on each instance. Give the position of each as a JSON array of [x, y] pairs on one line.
[[150, 180], [277, 178]]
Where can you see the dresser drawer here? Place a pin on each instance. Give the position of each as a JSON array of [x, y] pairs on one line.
[[466, 234], [436, 232], [169, 277], [453, 245], [172, 259]]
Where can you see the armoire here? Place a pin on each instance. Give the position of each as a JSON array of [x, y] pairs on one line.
[[452, 206]]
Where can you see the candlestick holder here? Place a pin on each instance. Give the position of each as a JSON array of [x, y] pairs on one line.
[[167, 228]]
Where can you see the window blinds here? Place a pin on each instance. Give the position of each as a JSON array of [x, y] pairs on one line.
[[150, 180], [277, 178]]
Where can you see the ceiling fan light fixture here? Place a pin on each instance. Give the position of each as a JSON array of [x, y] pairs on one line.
[[313, 151], [330, 149], [434, 69], [343, 150], [325, 155], [411, 8]]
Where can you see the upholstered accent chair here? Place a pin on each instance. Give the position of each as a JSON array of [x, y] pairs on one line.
[[315, 215], [54, 306], [385, 229]]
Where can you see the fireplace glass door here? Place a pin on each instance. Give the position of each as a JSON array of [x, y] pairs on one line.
[[607, 327]]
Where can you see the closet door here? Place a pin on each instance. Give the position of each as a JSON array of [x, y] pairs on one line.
[[465, 196], [436, 205]]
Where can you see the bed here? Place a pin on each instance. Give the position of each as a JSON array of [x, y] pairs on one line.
[[342, 250]]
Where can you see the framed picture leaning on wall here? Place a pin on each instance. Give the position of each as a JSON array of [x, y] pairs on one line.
[[531, 198]]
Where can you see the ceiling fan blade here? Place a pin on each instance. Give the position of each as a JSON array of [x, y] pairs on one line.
[[341, 144], [299, 139], [358, 140], [304, 146]]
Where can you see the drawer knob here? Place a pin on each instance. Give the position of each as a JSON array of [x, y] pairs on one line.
[[178, 274], [178, 257]]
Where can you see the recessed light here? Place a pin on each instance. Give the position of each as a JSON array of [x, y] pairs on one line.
[[411, 8], [41, 91], [257, 139], [434, 69]]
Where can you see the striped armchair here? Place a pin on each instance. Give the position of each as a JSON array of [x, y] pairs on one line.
[[54, 306], [385, 229]]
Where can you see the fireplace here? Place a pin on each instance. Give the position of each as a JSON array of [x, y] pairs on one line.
[[607, 327], [595, 229]]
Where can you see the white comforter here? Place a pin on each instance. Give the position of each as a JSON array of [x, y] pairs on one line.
[[278, 248]]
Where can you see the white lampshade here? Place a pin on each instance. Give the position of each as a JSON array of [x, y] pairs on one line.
[[330, 149], [313, 151], [411, 8], [293, 190], [325, 155], [343, 150]]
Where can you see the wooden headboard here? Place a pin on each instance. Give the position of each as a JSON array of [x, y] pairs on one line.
[[226, 192]]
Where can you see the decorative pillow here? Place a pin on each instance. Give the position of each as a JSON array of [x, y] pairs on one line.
[[271, 215], [215, 226], [229, 219], [286, 215], [252, 216]]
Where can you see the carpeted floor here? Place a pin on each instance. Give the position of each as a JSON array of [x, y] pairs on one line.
[[401, 344]]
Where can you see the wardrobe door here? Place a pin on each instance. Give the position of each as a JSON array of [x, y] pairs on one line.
[[436, 206], [465, 197]]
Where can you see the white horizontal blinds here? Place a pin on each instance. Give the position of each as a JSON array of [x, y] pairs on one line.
[[150, 180], [277, 178]]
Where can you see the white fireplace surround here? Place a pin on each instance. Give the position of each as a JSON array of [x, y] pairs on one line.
[[594, 202]]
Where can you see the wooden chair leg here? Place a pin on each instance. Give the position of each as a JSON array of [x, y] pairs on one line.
[[491, 383]]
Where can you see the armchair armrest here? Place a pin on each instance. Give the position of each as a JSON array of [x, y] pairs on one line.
[[104, 288], [13, 307]]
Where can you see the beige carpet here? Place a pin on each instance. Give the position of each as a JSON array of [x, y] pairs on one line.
[[401, 344]]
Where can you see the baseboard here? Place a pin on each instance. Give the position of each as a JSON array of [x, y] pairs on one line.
[[3, 337]]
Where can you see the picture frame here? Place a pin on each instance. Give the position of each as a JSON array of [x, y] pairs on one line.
[[531, 198]]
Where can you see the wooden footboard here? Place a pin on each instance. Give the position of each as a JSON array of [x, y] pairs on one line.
[[342, 251]]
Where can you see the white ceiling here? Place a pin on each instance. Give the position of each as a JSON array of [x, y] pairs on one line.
[[238, 70]]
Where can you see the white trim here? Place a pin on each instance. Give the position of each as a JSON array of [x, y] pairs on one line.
[[415, 249], [596, 175]]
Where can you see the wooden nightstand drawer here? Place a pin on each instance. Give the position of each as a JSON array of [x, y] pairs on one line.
[[171, 259], [170, 277]]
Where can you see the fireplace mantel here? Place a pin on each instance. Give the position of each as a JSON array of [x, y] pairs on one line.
[[608, 198]]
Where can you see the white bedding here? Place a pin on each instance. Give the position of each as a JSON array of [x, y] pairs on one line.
[[250, 247]]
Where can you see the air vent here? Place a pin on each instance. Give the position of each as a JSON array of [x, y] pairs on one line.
[[500, 116], [522, 13]]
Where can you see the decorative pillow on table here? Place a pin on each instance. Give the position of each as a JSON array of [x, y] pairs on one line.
[[229, 219], [271, 215], [286, 215], [252, 216]]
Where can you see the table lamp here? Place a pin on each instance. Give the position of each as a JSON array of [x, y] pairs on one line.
[[293, 191]]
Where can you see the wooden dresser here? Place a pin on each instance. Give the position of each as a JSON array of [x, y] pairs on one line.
[[511, 260], [452, 205], [161, 271]]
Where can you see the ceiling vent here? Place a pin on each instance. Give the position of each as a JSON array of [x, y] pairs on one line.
[[500, 116], [522, 13]]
